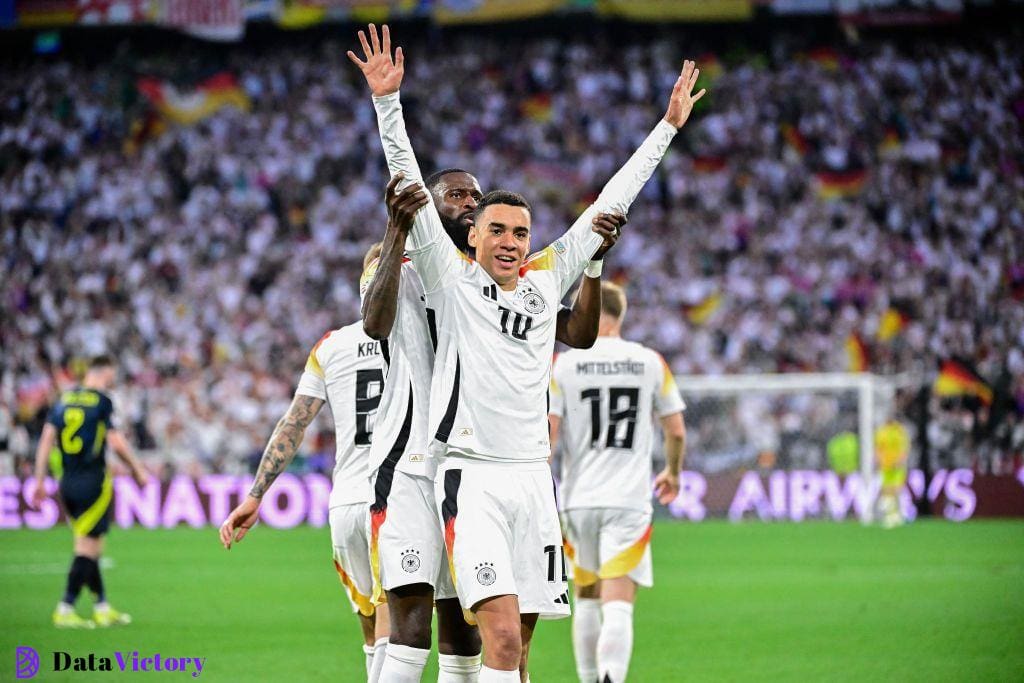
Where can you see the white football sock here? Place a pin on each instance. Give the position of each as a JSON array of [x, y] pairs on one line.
[[489, 675], [458, 669], [403, 664], [615, 645], [379, 655], [586, 627], [368, 652]]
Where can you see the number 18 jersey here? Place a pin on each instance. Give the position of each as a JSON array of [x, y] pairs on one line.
[[608, 396]]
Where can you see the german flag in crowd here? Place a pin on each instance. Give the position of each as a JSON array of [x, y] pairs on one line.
[[958, 378], [190, 107], [701, 312], [890, 141], [708, 164], [857, 353], [825, 57], [795, 140], [892, 323], [537, 108], [841, 184]]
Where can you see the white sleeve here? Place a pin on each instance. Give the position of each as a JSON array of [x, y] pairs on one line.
[[438, 261], [312, 382], [667, 399], [574, 249]]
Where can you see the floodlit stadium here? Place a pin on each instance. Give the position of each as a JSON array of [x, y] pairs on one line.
[[307, 306]]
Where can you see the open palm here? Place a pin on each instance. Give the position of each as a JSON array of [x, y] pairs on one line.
[[383, 75], [681, 103]]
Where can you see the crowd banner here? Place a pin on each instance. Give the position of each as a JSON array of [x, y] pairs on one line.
[[215, 20], [677, 10], [41, 13], [486, 11], [803, 6], [898, 12], [772, 495]]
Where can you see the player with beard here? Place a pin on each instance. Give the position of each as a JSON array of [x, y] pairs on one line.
[[408, 550], [488, 412]]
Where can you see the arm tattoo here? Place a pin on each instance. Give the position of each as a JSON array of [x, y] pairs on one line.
[[284, 442]]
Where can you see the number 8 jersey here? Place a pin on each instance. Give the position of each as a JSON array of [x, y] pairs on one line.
[[345, 370], [608, 397]]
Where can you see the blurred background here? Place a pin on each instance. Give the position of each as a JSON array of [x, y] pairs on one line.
[[191, 186], [830, 257]]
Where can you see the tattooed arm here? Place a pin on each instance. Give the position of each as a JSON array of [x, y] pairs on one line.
[[279, 453], [284, 442]]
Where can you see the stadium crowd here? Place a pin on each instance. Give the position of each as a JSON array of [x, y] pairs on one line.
[[816, 195]]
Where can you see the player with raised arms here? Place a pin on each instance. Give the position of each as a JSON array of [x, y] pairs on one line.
[[603, 400], [488, 402], [345, 370], [408, 552]]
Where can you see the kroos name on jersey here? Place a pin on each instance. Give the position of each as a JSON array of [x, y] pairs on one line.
[[129, 661]]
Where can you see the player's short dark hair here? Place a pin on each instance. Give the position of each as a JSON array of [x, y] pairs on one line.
[[500, 197], [613, 300], [101, 361], [434, 178]]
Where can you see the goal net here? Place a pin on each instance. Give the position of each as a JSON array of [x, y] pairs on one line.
[[787, 446]]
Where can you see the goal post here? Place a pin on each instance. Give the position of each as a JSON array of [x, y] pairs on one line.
[[772, 422]]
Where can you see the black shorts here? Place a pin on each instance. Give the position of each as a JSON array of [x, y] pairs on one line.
[[87, 504]]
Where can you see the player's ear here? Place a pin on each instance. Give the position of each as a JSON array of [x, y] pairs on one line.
[[471, 237]]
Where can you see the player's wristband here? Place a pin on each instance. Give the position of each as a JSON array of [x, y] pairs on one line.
[[594, 269]]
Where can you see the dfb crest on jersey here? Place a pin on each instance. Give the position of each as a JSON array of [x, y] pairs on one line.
[[411, 561], [485, 574], [534, 303]]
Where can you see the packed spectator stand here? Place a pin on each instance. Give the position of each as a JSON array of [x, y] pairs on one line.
[[820, 190]]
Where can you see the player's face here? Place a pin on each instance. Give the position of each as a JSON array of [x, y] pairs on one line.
[[456, 196], [107, 376], [501, 238]]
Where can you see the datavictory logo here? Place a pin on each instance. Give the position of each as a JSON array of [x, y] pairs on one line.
[[26, 663]]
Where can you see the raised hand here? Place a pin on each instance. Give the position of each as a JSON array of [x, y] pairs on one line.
[[383, 75], [608, 226], [681, 103]]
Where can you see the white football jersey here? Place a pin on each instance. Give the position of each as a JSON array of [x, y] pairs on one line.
[[608, 396], [488, 397], [402, 436], [345, 369]]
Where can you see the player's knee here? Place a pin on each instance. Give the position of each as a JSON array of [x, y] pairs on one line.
[[410, 631], [591, 591], [454, 635], [503, 641], [411, 609]]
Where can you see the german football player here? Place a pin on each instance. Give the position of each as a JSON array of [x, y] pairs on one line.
[[602, 403], [344, 370], [79, 426], [488, 401], [408, 550]]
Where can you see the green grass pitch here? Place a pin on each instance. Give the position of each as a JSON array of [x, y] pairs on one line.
[[790, 602]]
